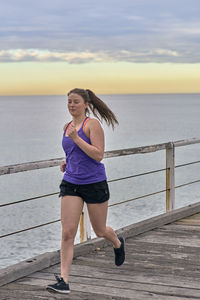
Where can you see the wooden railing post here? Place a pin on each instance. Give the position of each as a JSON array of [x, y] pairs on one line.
[[85, 226], [170, 177], [82, 228]]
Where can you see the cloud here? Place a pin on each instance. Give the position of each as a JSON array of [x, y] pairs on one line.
[[166, 52], [88, 31], [21, 55], [190, 31]]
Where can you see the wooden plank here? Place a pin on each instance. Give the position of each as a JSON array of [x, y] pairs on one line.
[[152, 288], [104, 288], [45, 260], [178, 238], [137, 150], [154, 254], [186, 142], [92, 272], [189, 222], [193, 220], [164, 258], [27, 267], [29, 292], [160, 220], [99, 283], [153, 270], [23, 292], [10, 169], [179, 227], [178, 233], [137, 276], [159, 249], [161, 267], [109, 291], [195, 216], [134, 274], [147, 256]]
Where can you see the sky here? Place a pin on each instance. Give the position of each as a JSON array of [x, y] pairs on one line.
[[109, 46]]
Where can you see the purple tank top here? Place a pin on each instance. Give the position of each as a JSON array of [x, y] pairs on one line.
[[80, 168]]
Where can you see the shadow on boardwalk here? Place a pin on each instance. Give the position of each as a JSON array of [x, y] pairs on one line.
[[161, 263]]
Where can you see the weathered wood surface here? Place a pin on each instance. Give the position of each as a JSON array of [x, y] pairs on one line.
[[48, 259], [162, 264], [114, 153], [186, 142], [55, 162]]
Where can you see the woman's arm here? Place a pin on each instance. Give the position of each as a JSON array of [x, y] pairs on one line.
[[96, 135]]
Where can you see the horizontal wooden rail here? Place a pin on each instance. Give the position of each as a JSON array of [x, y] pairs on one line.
[[137, 150], [170, 178], [186, 142], [10, 169], [29, 166]]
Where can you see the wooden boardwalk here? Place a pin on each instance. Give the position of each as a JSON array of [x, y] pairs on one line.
[[163, 264]]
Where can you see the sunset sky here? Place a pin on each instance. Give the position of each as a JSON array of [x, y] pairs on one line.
[[110, 46]]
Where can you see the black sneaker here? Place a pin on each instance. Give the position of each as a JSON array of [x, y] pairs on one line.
[[60, 287], [120, 253]]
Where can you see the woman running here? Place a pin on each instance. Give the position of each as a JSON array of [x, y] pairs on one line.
[[84, 179]]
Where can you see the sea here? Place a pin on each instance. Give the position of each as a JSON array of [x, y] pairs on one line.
[[31, 129]]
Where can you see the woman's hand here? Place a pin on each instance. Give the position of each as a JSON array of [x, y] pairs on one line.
[[62, 166], [72, 132], [94, 132]]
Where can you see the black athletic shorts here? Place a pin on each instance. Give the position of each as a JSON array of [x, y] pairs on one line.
[[97, 192]]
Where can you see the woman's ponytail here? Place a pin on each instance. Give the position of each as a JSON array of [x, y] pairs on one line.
[[99, 109]]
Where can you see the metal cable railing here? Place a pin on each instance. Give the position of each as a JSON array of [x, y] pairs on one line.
[[187, 164], [46, 195], [136, 198], [109, 181], [111, 205], [146, 149], [58, 220], [29, 228], [55, 193], [188, 183], [28, 199], [137, 175]]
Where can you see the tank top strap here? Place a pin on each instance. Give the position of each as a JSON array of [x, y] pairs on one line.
[[84, 123], [66, 126]]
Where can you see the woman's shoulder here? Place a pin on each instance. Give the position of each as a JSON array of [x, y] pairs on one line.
[[92, 125], [92, 122], [66, 124]]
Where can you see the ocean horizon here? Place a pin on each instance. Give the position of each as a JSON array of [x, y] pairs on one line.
[[31, 129]]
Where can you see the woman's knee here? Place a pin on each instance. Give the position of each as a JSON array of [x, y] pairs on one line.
[[68, 234]]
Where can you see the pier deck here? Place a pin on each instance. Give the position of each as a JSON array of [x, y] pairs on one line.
[[162, 263]]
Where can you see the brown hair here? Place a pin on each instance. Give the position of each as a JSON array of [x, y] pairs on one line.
[[97, 106]]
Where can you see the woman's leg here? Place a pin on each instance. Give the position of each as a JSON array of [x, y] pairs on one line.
[[98, 216], [71, 208]]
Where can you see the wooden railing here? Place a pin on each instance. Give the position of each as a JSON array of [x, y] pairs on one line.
[[85, 228]]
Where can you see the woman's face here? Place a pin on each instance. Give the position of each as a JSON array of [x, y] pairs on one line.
[[76, 105]]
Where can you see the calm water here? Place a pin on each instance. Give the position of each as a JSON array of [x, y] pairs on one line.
[[31, 130]]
